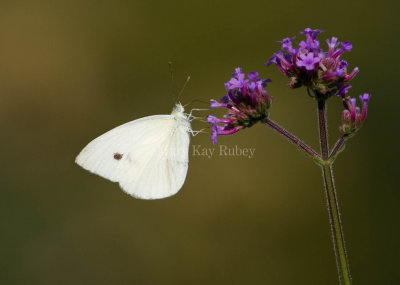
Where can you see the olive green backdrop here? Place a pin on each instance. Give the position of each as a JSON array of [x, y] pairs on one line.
[[71, 70]]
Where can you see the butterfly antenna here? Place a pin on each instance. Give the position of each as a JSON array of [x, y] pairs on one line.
[[183, 88], [171, 72]]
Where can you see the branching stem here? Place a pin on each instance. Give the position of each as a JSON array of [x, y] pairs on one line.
[[325, 160], [293, 139]]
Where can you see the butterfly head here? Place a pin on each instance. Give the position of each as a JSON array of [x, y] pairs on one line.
[[178, 108], [178, 113]]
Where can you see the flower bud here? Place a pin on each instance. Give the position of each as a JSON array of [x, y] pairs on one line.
[[352, 117]]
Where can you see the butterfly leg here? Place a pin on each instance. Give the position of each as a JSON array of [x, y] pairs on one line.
[[190, 114], [195, 133]]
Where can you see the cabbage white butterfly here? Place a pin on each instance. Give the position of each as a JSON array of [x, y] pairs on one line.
[[148, 157]]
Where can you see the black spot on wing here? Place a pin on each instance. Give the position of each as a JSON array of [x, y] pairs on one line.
[[117, 156]]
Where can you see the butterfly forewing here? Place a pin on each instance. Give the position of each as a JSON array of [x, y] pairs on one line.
[[148, 156]]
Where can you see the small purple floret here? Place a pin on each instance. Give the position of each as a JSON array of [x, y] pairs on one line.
[[365, 97], [347, 46], [332, 44], [287, 43], [343, 90], [308, 61], [311, 33], [215, 104]]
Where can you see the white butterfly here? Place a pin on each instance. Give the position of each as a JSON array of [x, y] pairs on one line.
[[148, 156]]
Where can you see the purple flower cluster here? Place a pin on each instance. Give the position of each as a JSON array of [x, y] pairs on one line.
[[307, 64], [352, 117], [324, 73], [246, 100]]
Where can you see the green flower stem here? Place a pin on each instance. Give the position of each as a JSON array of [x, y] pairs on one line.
[[338, 148], [331, 197], [336, 226], [293, 139], [323, 129]]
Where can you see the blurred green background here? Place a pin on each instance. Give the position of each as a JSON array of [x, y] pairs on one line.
[[71, 70]]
